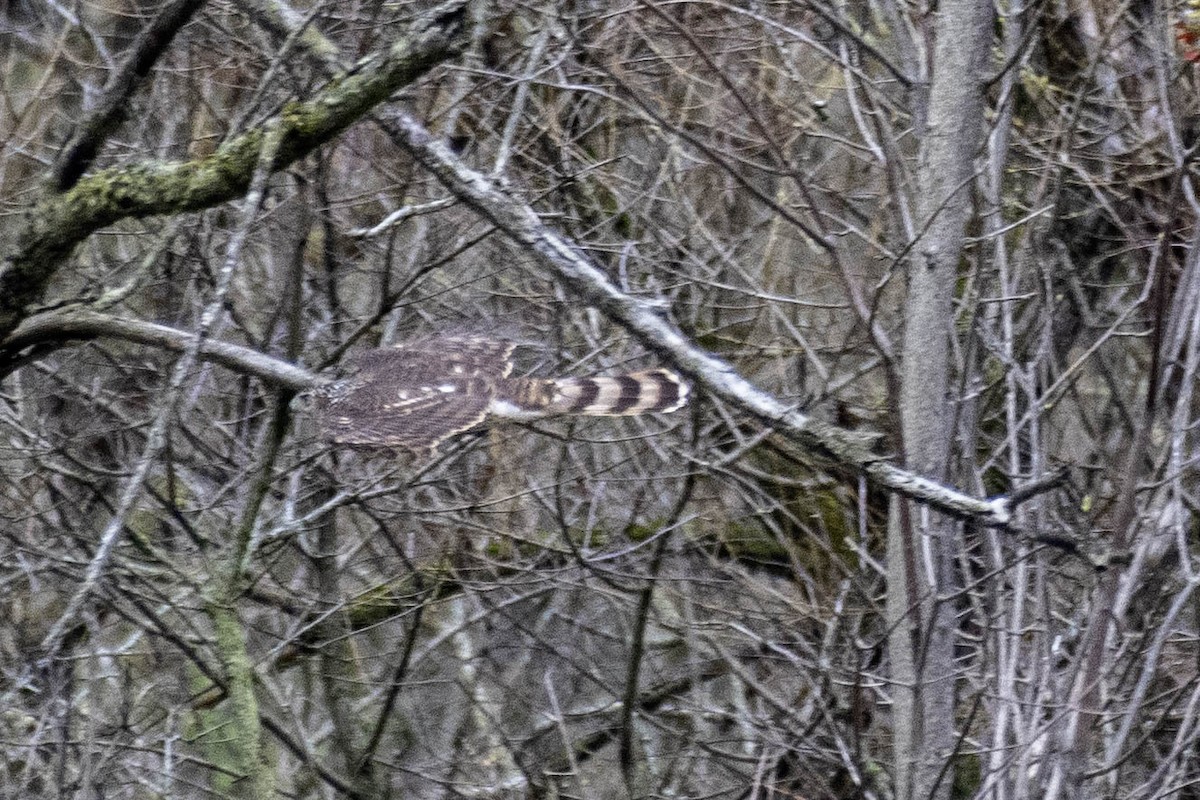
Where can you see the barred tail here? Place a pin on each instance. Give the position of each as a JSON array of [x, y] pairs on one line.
[[649, 391]]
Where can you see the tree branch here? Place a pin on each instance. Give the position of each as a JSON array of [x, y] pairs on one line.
[[67, 326], [57, 224], [80, 150], [645, 321]]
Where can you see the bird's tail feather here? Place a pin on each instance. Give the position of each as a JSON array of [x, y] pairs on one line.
[[648, 391]]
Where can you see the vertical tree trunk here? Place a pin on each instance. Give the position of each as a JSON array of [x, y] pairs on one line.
[[921, 542]]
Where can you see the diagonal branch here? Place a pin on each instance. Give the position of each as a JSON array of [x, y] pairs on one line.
[[56, 225], [80, 150], [156, 436], [646, 322]]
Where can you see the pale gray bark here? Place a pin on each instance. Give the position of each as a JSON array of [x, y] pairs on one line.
[[647, 322], [921, 543], [80, 324]]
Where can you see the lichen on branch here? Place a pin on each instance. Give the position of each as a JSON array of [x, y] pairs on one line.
[[59, 222]]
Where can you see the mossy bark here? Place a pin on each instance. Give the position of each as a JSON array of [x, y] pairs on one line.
[[56, 225]]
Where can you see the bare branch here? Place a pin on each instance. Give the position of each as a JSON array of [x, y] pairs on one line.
[[77, 155], [59, 223], [75, 325], [157, 436]]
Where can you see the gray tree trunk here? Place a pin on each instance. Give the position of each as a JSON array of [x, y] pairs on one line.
[[921, 542]]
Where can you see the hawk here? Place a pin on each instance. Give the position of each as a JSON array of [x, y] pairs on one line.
[[417, 394]]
